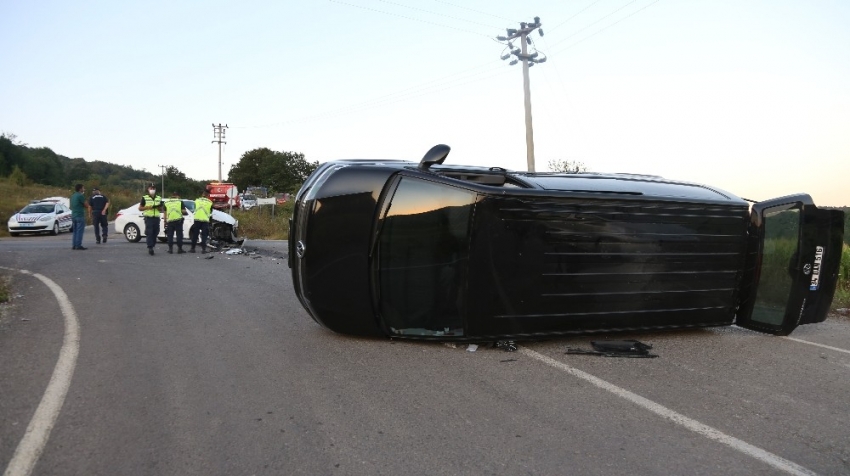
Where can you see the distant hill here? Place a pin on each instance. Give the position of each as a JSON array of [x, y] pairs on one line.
[[40, 165]]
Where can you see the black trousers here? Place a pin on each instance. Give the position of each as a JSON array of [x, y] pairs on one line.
[[202, 228], [98, 219], [151, 230], [170, 228]]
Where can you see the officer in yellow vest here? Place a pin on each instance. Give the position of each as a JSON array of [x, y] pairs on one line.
[[203, 212], [174, 211], [151, 206]]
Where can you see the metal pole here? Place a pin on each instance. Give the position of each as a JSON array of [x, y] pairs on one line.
[[529, 134], [162, 174], [219, 133]]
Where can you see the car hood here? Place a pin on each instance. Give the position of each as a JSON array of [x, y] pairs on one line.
[[223, 217], [29, 217]]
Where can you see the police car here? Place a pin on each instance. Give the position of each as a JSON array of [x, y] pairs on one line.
[[131, 223], [43, 216]]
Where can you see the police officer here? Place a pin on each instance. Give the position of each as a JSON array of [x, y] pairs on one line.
[[174, 211], [151, 206], [99, 210], [203, 211]]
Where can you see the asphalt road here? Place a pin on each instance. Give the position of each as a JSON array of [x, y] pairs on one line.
[[189, 366]]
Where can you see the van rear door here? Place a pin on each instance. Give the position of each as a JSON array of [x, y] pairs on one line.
[[793, 255]]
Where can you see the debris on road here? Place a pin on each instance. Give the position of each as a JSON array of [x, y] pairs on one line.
[[507, 345], [472, 347], [616, 348], [234, 251]]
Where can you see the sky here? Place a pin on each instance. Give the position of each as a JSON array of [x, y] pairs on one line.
[[752, 97]]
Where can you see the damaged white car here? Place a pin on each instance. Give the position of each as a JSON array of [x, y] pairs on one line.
[[131, 223]]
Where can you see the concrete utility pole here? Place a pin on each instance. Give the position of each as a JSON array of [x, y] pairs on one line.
[[218, 132], [528, 60], [162, 174]]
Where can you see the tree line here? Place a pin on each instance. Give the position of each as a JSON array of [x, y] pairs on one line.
[[22, 165]]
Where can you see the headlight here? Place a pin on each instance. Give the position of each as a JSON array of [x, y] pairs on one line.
[[45, 218]]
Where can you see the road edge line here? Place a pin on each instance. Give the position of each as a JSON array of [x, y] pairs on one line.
[[837, 349], [38, 431]]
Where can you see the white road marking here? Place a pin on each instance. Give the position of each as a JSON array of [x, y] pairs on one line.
[[31, 446], [690, 424], [817, 345]]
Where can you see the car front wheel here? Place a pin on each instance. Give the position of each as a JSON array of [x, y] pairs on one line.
[[55, 230], [132, 233]]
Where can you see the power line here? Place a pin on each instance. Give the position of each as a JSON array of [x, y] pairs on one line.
[[608, 26], [409, 18], [435, 13], [403, 94], [594, 23], [474, 10], [570, 18]]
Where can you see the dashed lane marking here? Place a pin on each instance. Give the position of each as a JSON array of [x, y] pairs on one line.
[[32, 444], [690, 424]]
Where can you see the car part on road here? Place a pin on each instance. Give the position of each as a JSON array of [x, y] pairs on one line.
[[507, 345], [616, 348]]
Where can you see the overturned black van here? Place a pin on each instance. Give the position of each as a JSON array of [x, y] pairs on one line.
[[432, 251]]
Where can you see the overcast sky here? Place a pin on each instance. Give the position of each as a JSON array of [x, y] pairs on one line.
[[748, 96]]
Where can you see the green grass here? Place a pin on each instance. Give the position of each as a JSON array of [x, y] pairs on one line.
[[5, 292], [259, 224], [16, 197], [842, 291]]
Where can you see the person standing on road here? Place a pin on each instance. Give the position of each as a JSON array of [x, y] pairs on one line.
[[151, 205], [99, 205], [203, 212], [78, 216], [174, 211]]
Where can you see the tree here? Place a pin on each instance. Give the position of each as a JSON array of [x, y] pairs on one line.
[[246, 172], [567, 166], [18, 177], [280, 171]]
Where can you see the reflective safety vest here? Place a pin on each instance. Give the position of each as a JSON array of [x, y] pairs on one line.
[[173, 210], [203, 209], [155, 202]]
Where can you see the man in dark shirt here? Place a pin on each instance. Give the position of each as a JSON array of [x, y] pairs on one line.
[[78, 216], [99, 212]]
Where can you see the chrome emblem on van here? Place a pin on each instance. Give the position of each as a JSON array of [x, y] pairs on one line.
[[300, 249], [816, 269], [807, 268]]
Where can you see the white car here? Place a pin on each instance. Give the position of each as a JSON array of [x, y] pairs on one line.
[[51, 217], [248, 202], [131, 223]]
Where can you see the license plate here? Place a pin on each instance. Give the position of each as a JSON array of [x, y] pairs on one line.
[[26, 224]]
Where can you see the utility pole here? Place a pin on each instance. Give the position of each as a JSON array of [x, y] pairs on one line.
[[218, 132], [528, 60], [162, 174]]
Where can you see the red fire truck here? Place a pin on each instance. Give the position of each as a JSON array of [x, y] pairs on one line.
[[221, 195]]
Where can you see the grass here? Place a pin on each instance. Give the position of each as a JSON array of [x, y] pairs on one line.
[[259, 223], [842, 290], [4, 289], [16, 197]]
